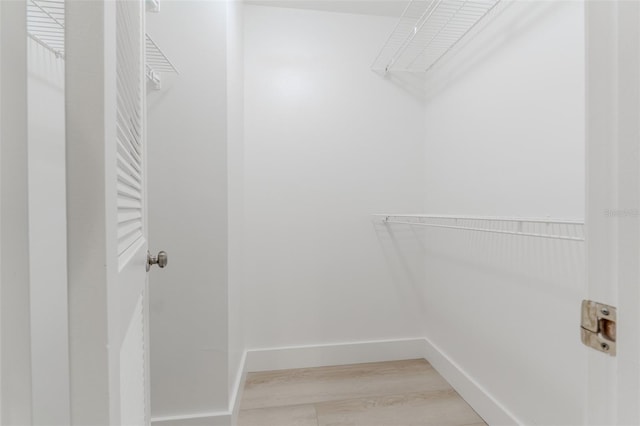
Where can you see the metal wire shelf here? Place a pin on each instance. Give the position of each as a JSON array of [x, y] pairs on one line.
[[551, 228], [156, 62], [152, 6], [45, 25], [428, 30]]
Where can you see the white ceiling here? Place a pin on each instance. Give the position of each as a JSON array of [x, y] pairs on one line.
[[362, 7]]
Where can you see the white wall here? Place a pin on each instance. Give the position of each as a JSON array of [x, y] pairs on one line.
[[48, 237], [187, 158], [327, 143], [505, 118], [505, 136], [15, 387], [235, 163]]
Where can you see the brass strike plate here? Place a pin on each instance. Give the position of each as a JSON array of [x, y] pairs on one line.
[[598, 326]]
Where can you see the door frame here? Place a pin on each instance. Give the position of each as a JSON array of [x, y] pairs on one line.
[[102, 301], [89, 78], [15, 331], [612, 30]]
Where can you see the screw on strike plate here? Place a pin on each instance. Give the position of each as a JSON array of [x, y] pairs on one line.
[[598, 326]]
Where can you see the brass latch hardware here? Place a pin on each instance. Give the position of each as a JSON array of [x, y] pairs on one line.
[[598, 326]]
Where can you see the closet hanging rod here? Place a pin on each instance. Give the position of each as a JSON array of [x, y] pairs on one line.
[[487, 218], [520, 221]]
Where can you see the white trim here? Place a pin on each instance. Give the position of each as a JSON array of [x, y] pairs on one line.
[[613, 183], [268, 359], [216, 418], [90, 37], [488, 407], [238, 387]]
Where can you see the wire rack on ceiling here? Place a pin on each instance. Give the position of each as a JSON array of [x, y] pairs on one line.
[[45, 25], [428, 30]]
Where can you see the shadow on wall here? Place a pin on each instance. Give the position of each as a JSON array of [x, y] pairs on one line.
[[511, 19], [474, 49], [548, 265], [404, 250], [45, 67], [410, 82], [155, 97]]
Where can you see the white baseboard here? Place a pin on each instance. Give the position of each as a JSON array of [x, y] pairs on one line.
[[222, 418], [237, 390], [203, 419], [333, 354], [494, 413], [268, 359], [386, 350]]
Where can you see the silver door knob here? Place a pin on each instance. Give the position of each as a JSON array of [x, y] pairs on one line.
[[161, 260]]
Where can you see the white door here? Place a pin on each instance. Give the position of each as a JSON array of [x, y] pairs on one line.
[[613, 204], [107, 238]]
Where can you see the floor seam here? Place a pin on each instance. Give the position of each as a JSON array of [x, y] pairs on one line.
[[315, 410]]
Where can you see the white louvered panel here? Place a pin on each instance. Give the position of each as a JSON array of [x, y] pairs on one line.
[[125, 204], [129, 126], [127, 191], [126, 215], [130, 180], [128, 164]]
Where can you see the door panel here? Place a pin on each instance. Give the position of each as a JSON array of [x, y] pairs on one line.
[[105, 208]]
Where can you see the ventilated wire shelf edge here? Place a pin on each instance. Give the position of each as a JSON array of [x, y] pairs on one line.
[[157, 62], [45, 25], [550, 228], [428, 30]]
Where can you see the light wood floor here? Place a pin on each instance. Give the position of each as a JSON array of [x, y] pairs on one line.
[[397, 393]]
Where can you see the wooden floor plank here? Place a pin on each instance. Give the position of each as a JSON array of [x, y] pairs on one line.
[[311, 385], [433, 408], [297, 415], [396, 393]]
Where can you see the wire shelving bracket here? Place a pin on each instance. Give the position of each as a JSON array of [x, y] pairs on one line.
[[157, 63], [428, 30], [152, 6], [45, 25], [551, 228]]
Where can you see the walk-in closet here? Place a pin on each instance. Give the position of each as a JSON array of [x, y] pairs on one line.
[[319, 212]]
